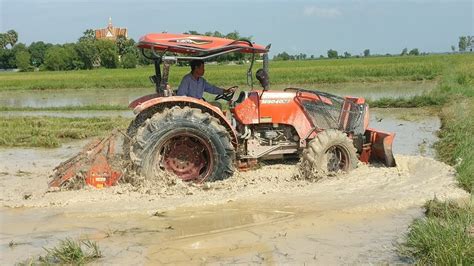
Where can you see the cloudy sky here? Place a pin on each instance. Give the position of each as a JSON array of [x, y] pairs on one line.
[[310, 27]]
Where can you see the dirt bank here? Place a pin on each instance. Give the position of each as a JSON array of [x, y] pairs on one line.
[[259, 216]]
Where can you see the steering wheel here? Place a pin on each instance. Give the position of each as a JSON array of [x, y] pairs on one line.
[[227, 95]]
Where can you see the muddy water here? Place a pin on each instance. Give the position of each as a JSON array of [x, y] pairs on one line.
[[258, 217], [54, 98], [276, 232]]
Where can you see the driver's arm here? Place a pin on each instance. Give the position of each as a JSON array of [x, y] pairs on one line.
[[212, 89]]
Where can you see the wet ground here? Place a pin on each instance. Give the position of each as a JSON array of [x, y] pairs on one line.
[[259, 217], [404, 121], [77, 97]]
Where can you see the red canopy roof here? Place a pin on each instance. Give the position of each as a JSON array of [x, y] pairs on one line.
[[196, 44]]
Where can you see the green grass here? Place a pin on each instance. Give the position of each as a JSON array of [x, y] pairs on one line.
[[68, 252], [411, 102], [281, 72], [68, 108], [444, 237], [51, 132]]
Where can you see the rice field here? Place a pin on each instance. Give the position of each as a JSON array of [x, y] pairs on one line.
[[372, 69]]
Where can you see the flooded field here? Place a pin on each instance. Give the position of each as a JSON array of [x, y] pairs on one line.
[[54, 98], [265, 216]]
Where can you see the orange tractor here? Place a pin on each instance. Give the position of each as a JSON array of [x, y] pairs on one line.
[[197, 141]]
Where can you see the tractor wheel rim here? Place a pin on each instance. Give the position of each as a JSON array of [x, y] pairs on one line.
[[188, 156], [338, 159]]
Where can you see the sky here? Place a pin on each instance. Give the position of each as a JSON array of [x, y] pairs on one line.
[[310, 27]]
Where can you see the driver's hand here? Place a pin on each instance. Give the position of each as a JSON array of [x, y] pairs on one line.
[[231, 89]]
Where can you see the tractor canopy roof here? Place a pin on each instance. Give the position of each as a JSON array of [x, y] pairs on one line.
[[197, 45]]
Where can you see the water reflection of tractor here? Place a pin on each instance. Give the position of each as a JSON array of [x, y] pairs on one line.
[[195, 140]]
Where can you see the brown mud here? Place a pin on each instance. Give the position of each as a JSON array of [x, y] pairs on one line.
[[262, 216], [266, 216]]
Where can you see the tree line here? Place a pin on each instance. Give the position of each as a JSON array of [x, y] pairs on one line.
[[465, 44], [86, 53], [333, 54]]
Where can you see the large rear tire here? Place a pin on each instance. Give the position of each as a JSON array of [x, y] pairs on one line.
[[186, 142], [329, 153]]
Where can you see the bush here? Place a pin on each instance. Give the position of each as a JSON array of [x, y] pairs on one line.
[[129, 61]]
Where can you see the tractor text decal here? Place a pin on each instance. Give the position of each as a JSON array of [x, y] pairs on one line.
[[191, 41], [275, 101]]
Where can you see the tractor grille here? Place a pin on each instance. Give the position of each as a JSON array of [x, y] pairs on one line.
[[334, 112]]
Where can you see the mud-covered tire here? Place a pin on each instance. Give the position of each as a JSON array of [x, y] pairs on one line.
[[330, 152], [158, 146], [130, 135]]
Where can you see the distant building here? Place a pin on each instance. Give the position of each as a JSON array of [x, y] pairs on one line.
[[110, 32]]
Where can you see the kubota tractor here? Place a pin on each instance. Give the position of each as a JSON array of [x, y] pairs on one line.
[[197, 141]]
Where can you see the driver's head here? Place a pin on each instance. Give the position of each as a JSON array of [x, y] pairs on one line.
[[262, 77], [197, 68]]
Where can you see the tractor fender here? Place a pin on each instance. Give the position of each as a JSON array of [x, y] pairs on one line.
[[153, 103]]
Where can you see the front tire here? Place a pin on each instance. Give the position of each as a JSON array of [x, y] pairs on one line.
[[186, 142], [329, 153]]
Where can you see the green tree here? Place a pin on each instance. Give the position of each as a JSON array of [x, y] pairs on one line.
[[129, 61], [22, 60], [463, 43], [88, 35], [10, 37], [282, 56], [54, 58], [453, 48], [332, 53], [108, 53], [72, 59], [414, 52], [7, 59], [347, 55], [3, 40], [38, 51], [19, 47], [404, 51], [125, 45], [367, 52], [470, 43], [88, 53]]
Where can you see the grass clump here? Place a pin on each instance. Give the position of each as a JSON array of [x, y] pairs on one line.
[[413, 102], [72, 252], [51, 132], [444, 237], [68, 252]]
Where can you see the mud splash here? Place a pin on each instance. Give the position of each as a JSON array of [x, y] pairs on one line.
[[263, 216]]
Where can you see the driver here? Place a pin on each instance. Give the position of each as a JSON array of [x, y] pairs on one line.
[[194, 85]]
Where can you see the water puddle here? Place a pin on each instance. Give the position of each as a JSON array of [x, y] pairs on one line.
[[415, 129]]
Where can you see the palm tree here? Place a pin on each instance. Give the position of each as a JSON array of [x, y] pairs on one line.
[[11, 37]]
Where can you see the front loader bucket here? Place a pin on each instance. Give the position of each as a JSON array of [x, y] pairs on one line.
[[92, 166], [378, 147]]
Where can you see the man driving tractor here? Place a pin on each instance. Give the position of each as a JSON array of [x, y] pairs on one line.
[[194, 85]]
